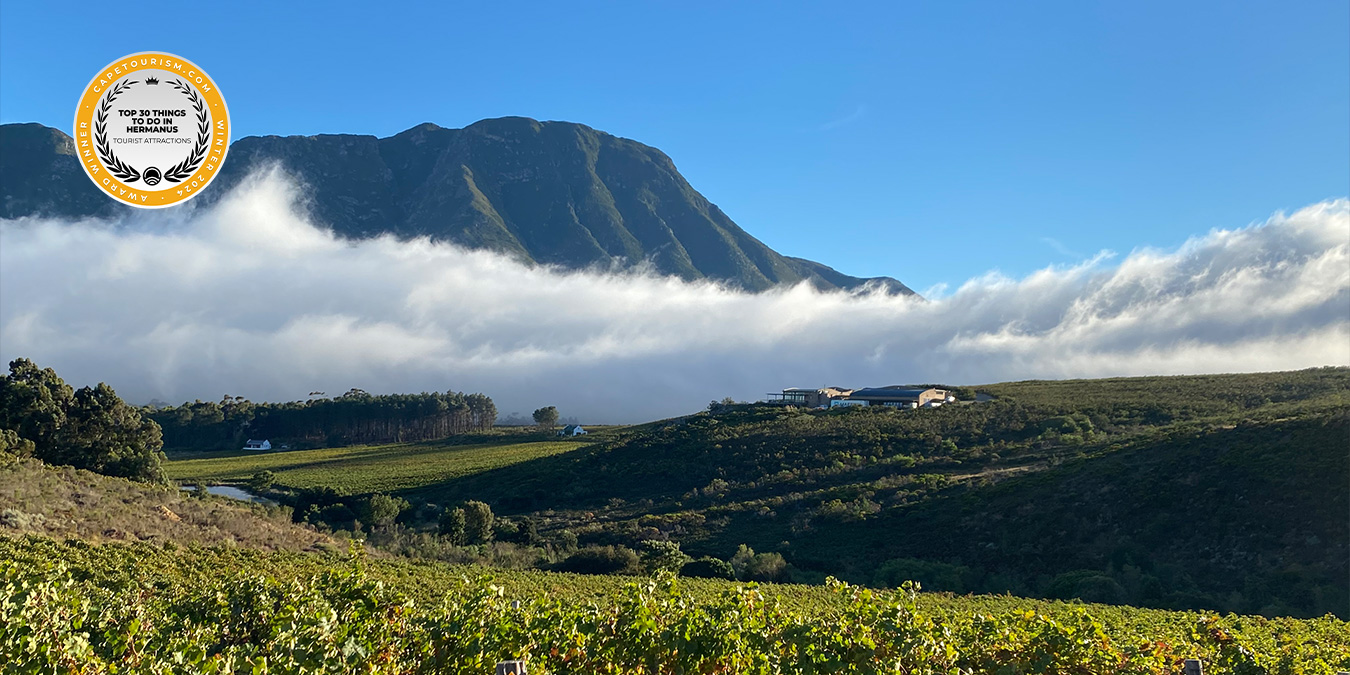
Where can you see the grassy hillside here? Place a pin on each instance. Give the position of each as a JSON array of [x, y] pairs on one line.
[[71, 503], [1215, 492], [1249, 519], [141, 608]]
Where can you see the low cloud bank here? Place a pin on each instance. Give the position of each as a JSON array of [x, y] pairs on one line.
[[247, 297]]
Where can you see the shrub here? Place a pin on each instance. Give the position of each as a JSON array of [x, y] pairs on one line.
[[382, 510], [477, 523], [767, 567], [708, 568], [663, 555], [567, 540], [602, 560], [1086, 585], [522, 531], [262, 480], [741, 560], [452, 526], [931, 575], [11, 443]]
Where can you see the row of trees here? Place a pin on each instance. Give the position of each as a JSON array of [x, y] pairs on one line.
[[89, 428], [354, 417]]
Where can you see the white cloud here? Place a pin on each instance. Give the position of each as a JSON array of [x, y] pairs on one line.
[[248, 298]]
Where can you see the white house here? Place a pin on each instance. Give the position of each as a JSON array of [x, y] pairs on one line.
[[572, 430], [258, 445]]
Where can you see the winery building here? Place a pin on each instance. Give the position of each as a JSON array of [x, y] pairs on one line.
[[900, 397], [809, 398], [896, 396]]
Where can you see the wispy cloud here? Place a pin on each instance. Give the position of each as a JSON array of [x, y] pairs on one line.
[[857, 114], [248, 298], [1061, 249]]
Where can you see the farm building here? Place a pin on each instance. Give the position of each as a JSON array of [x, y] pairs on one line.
[[572, 430], [896, 396], [900, 397], [258, 445], [809, 398]]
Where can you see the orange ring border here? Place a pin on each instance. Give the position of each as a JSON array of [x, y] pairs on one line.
[[214, 101]]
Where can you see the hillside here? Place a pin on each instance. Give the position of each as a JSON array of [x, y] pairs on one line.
[[553, 193], [1205, 492], [63, 502]]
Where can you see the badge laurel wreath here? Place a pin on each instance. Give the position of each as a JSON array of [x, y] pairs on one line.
[[129, 174]]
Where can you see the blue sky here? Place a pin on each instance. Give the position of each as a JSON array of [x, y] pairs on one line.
[[932, 142]]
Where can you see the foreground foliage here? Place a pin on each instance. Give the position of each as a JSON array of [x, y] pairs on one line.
[[75, 618]]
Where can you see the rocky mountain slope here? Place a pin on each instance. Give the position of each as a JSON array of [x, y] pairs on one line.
[[552, 193]]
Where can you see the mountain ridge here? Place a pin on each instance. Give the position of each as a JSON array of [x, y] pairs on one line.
[[554, 193]]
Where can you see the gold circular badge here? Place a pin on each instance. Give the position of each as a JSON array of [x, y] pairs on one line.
[[152, 130]]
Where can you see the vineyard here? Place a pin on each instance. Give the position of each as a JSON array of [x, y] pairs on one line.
[[370, 468], [77, 608]]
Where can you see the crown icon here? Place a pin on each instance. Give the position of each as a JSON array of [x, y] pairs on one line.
[[152, 80]]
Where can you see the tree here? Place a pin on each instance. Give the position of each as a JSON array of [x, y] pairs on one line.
[[602, 560], [477, 523], [567, 540], [483, 410], [767, 567], [89, 429], [105, 435], [708, 568], [33, 403], [740, 562], [354, 417], [932, 575], [663, 555], [546, 418], [528, 533], [382, 510], [12, 444], [261, 481], [452, 526]]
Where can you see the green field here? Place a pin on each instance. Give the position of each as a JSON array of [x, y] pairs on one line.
[[372, 468]]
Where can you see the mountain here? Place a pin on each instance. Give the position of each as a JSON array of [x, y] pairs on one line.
[[39, 174], [553, 193]]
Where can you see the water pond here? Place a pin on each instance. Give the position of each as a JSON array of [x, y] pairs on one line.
[[234, 492]]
